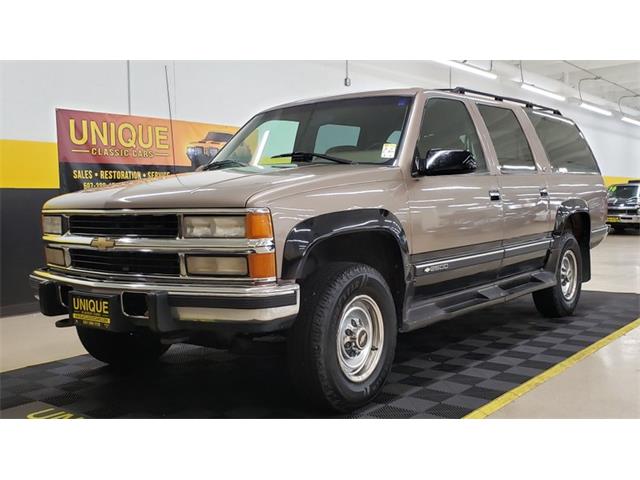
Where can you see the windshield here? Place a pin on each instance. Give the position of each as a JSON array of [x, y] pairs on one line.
[[624, 191], [360, 130]]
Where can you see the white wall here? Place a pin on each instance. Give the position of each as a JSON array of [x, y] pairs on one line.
[[229, 92]]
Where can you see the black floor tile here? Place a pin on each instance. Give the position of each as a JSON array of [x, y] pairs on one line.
[[192, 381]]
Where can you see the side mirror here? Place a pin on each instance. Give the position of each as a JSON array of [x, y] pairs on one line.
[[444, 162]]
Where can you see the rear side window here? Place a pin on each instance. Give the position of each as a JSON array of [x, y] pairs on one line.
[[566, 147], [512, 148]]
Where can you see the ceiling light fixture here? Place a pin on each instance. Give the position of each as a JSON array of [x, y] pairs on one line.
[[468, 68], [540, 91], [632, 121], [593, 108], [588, 106], [624, 118]]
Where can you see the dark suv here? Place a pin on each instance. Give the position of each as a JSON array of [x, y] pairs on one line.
[[623, 206]]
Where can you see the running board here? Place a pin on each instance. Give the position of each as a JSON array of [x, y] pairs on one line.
[[423, 312]]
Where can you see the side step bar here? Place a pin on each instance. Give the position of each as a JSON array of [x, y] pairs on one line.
[[423, 312]]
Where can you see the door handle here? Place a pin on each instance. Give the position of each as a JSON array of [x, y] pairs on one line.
[[494, 195], [544, 193]]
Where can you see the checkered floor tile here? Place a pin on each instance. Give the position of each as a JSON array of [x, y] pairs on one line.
[[444, 371]]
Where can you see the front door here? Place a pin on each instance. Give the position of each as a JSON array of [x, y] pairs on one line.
[[456, 220]]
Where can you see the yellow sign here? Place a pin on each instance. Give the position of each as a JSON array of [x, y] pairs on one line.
[[91, 311]]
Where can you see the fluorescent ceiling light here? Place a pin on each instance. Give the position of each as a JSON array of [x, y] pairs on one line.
[[468, 68], [541, 91], [632, 121], [593, 108]]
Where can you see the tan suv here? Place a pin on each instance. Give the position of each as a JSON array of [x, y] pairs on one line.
[[335, 223]]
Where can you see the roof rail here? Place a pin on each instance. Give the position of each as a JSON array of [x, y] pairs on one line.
[[500, 98]]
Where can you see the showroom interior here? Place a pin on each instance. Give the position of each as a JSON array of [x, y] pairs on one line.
[[505, 361]]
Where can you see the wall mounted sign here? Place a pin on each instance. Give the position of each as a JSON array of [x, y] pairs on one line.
[[96, 149]]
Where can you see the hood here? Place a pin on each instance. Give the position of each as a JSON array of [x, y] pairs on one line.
[[226, 188]]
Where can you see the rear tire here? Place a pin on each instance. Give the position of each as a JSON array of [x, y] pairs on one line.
[[121, 350], [561, 299], [342, 345]]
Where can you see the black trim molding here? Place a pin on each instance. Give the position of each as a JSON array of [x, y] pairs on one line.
[[305, 235]]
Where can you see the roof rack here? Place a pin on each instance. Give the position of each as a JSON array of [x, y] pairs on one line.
[[501, 98]]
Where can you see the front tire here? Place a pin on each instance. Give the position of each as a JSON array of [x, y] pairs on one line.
[[561, 299], [121, 350], [342, 345]]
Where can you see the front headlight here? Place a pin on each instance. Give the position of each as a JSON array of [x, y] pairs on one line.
[[52, 224], [213, 227]]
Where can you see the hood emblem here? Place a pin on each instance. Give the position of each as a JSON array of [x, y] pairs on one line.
[[103, 243]]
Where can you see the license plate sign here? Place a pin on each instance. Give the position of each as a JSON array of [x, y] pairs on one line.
[[92, 310], [612, 219]]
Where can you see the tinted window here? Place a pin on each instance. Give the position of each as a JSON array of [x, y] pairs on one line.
[[334, 138], [508, 139], [446, 124], [566, 148], [624, 191]]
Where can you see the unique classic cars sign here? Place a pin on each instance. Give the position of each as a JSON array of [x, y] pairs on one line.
[[96, 149]]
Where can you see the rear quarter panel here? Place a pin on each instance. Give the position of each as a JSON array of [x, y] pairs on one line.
[[588, 187]]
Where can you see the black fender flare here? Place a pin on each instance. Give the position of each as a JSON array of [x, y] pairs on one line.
[[307, 234], [565, 210], [568, 208]]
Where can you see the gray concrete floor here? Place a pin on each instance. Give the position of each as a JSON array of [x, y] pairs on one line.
[[604, 385], [607, 383]]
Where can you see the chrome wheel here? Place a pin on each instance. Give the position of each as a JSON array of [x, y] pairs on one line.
[[360, 338], [569, 275]]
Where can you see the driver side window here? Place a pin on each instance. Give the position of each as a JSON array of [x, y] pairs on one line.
[[446, 124]]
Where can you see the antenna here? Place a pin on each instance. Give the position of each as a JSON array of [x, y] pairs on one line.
[[173, 147]]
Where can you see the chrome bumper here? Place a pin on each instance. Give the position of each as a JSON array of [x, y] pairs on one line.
[[189, 302], [622, 218]]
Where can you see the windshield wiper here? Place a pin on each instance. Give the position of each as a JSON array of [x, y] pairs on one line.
[[224, 164], [308, 156]]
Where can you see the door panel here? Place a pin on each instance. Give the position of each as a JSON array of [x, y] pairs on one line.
[[523, 191], [452, 216]]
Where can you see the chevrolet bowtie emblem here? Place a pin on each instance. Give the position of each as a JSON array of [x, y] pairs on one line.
[[103, 243]]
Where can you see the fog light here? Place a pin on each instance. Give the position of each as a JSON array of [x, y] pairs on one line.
[[236, 266], [54, 256]]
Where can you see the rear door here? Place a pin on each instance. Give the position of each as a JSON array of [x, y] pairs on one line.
[[527, 223]]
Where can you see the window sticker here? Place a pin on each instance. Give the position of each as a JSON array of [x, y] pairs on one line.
[[388, 150]]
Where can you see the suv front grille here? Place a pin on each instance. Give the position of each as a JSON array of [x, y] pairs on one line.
[[126, 262], [150, 226]]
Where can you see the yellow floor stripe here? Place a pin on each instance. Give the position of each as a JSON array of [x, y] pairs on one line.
[[520, 390]]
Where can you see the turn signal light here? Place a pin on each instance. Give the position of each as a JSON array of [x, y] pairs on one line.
[[258, 225], [262, 265]]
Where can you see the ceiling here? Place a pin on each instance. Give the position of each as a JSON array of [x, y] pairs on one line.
[[625, 73]]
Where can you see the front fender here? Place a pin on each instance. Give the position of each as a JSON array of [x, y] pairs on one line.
[[312, 231]]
